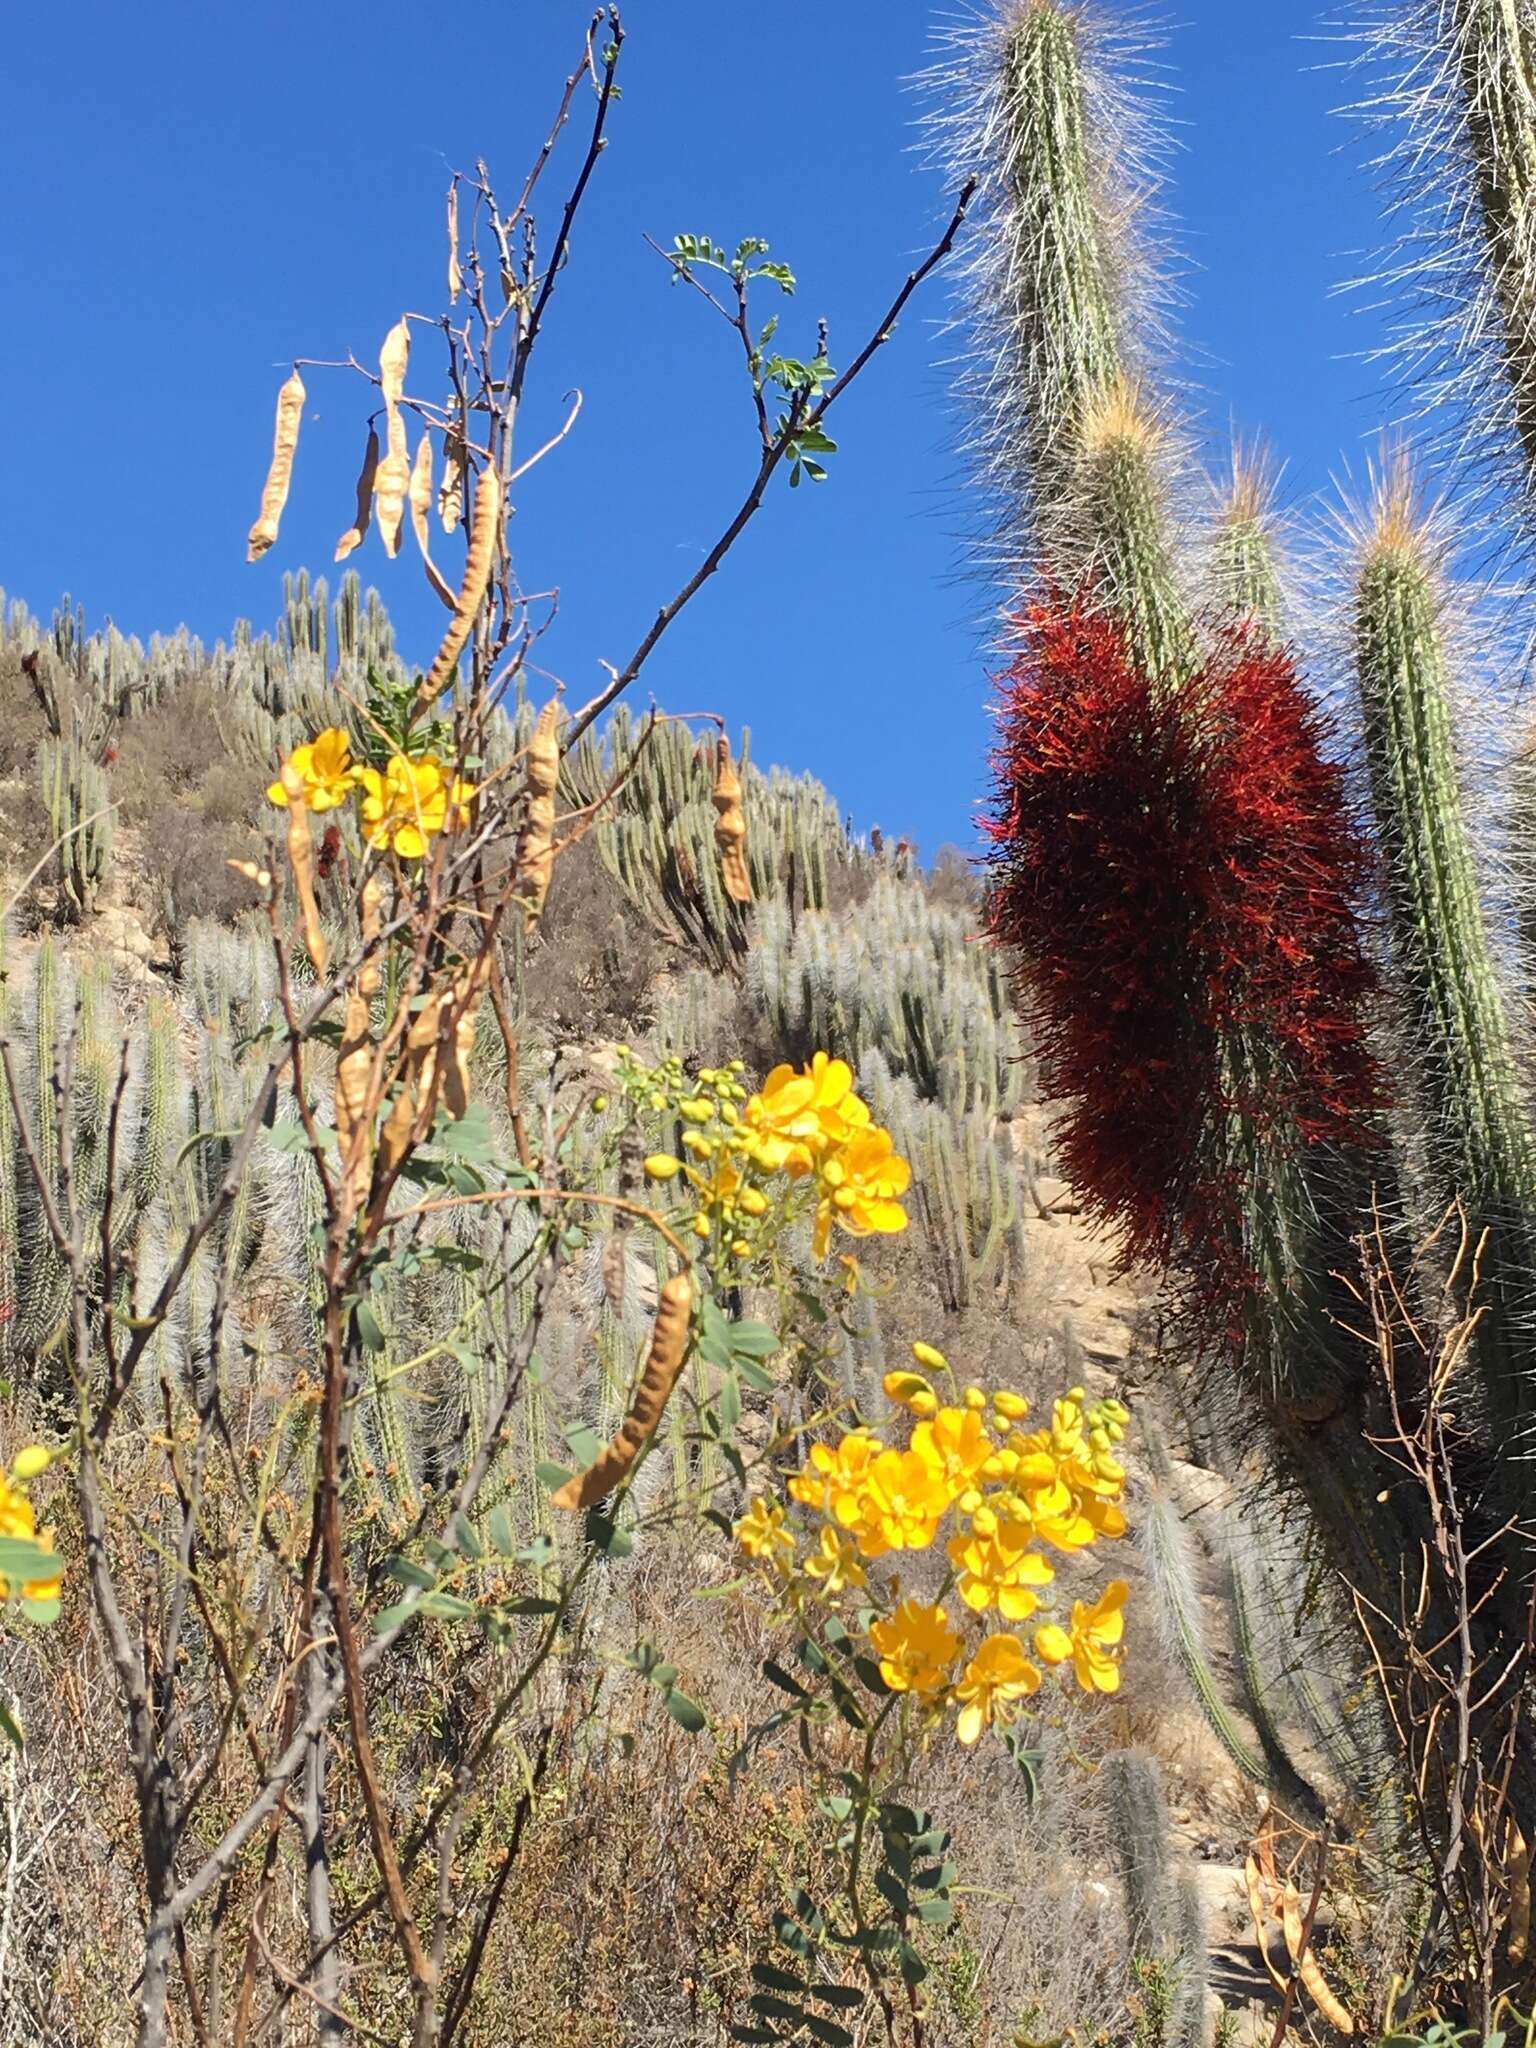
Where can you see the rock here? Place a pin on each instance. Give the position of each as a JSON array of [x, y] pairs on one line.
[[1054, 1198]]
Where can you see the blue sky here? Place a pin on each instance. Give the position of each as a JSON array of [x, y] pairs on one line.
[[194, 193]]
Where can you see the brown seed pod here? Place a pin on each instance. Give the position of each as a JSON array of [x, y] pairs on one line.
[[274, 492], [456, 1077], [450, 498], [1517, 1869], [421, 506], [483, 535], [1260, 1911], [354, 1069], [455, 275], [391, 485], [669, 1347], [411, 1115], [730, 825], [1308, 1969], [353, 537], [372, 906], [535, 853], [301, 857], [394, 357]]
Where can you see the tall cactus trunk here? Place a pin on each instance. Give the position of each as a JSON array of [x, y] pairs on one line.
[[1476, 1136]]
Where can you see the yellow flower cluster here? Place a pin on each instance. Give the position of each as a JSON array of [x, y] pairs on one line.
[[806, 1125], [1005, 1495], [18, 1520], [405, 804]]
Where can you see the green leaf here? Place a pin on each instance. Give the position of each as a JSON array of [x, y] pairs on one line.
[[794, 1937], [530, 1603], [10, 1727], [551, 1476], [406, 1572], [43, 1612], [22, 1560], [936, 1912], [685, 1712], [606, 1535], [730, 1403], [369, 1332], [913, 1968], [471, 1137], [446, 1606], [467, 1538], [753, 1340], [502, 1534]]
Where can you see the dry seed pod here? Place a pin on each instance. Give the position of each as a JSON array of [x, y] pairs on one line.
[[1260, 1911], [730, 826], [411, 1115], [394, 357], [421, 506], [535, 854], [669, 1347], [373, 920], [484, 530], [354, 1069], [455, 275], [450, 499], [1518, 1871], [274, 492], [1308, 1969], [456, 1078], [353, 537], [301, 857], [390, 486]]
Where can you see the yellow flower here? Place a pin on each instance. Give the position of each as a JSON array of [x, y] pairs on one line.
[[325, 765], [929, 1358], [999, 1569], [996, 1676], [860, 1183], [795, 1117], [955, 1445], [835, 1563], [833, 1481], [916, 1646], [18, 1520], [409, 803], [903, 1501], [761, 1532], [1093, 1643], [910, 1390]]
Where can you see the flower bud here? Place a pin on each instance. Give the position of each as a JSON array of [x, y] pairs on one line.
[[662, 1166]]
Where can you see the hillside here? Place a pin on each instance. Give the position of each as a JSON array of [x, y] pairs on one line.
[[660, 1852]]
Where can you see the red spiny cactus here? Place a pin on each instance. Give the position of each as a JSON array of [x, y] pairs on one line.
[[1178, 874]]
